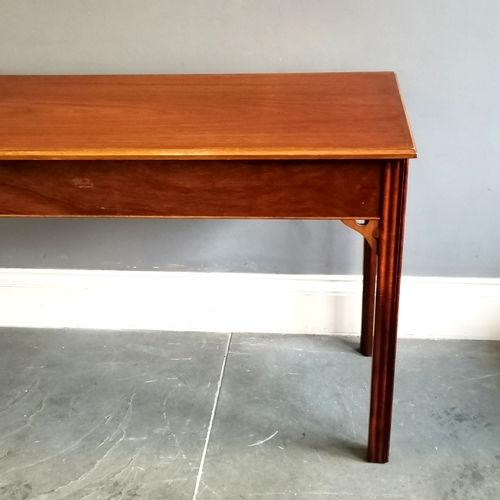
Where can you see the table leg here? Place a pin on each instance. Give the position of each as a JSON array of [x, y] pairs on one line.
[[369, 280], [386, 308]]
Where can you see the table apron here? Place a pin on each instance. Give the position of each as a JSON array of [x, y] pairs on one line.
[[260, 189]]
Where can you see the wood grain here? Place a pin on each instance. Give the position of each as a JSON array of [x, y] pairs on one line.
[[303, 189], [325, 115]]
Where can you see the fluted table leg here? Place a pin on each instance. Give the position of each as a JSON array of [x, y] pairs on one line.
[[390, 250]]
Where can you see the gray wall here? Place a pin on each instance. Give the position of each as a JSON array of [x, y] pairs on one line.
[[445, 54]]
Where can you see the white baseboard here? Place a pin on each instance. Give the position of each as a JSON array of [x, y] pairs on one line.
[[437, 308]]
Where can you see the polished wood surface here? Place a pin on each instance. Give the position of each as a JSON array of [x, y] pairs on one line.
[[300, 189], [325, 115], [307, 146]]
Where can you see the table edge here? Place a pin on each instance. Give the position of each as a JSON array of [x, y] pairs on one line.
[[210, 154]]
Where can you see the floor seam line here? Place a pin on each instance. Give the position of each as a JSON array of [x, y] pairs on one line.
[[212, 417]]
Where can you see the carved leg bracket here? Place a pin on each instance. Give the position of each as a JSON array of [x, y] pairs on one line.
[[369, 229]]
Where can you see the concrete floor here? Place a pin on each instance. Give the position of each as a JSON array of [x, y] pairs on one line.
[[107, 415]]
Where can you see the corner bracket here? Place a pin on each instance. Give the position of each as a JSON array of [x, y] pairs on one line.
[[369, 229]]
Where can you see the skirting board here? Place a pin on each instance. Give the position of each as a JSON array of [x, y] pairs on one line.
[[435, 308]]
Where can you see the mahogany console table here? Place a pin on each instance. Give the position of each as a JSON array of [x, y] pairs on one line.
[[284, 146]]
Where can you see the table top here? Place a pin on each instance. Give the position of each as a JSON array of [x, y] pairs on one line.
[[253, 116]]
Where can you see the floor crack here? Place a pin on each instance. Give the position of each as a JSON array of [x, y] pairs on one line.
[[212, 417]]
